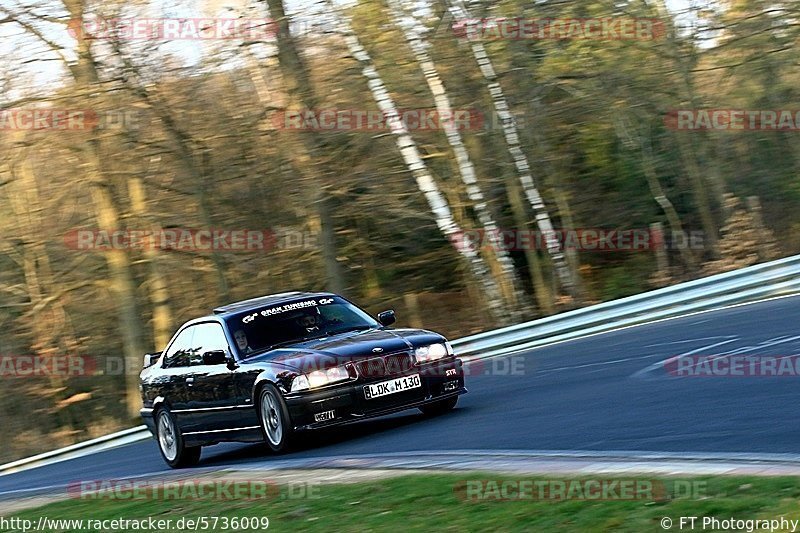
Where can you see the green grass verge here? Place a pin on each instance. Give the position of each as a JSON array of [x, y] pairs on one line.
[[429, 503]]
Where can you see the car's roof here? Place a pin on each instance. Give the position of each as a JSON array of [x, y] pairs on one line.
[[261, 301]]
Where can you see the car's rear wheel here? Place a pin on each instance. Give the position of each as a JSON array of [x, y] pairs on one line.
[[440, 407], [171, 444], [275, 421]]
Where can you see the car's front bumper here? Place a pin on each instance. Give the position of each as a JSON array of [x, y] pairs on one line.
[[439, 381]]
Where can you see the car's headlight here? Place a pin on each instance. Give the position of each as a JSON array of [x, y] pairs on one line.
[[433, 352], [300, 383], [319, 378]]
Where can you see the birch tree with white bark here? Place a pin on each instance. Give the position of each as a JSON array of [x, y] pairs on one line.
[[511, 133], [413, 32], [416, 165]]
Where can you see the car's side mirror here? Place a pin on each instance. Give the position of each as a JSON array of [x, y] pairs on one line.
[[151, 358], [387, 318], [215, 357]]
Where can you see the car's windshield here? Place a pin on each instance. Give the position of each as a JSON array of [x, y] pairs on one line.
[[296, 321]]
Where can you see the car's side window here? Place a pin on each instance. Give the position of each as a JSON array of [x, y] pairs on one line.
[[209, 337], [178, 353]]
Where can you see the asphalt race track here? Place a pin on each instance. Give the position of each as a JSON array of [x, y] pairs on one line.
[[604, 393]]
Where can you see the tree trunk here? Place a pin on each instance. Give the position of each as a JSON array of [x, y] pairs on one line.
[[664, 202], [541, 290], [411, 156], [413, 31], [122, 284], [662, 261], [50, 326], [197, 171], [700, 192], [123, 287], [412, 307], [686, 150], [640, 141], [512, 138], [562, 204], [299, 87], [157, 284], [327, 237]]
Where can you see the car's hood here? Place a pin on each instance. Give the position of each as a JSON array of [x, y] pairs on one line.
[[349, 346]]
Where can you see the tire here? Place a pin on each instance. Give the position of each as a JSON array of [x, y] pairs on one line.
[[276, 424], [171, 444], [440, 407]]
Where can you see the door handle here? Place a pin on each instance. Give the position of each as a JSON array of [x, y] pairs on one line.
[[189, 380]]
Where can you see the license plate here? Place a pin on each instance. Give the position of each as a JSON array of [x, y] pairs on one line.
[[392, 386], [321, 417]]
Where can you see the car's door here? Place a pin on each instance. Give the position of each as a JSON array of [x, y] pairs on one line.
[[172, 379], [209, 382]]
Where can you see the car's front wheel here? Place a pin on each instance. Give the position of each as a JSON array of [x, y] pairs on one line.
[[170, 441], [275, 422], [440, 407]]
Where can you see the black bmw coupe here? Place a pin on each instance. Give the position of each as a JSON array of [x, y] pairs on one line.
[[269, 368]]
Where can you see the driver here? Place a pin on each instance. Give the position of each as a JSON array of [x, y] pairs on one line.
[[241, 342], [310, 321]]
